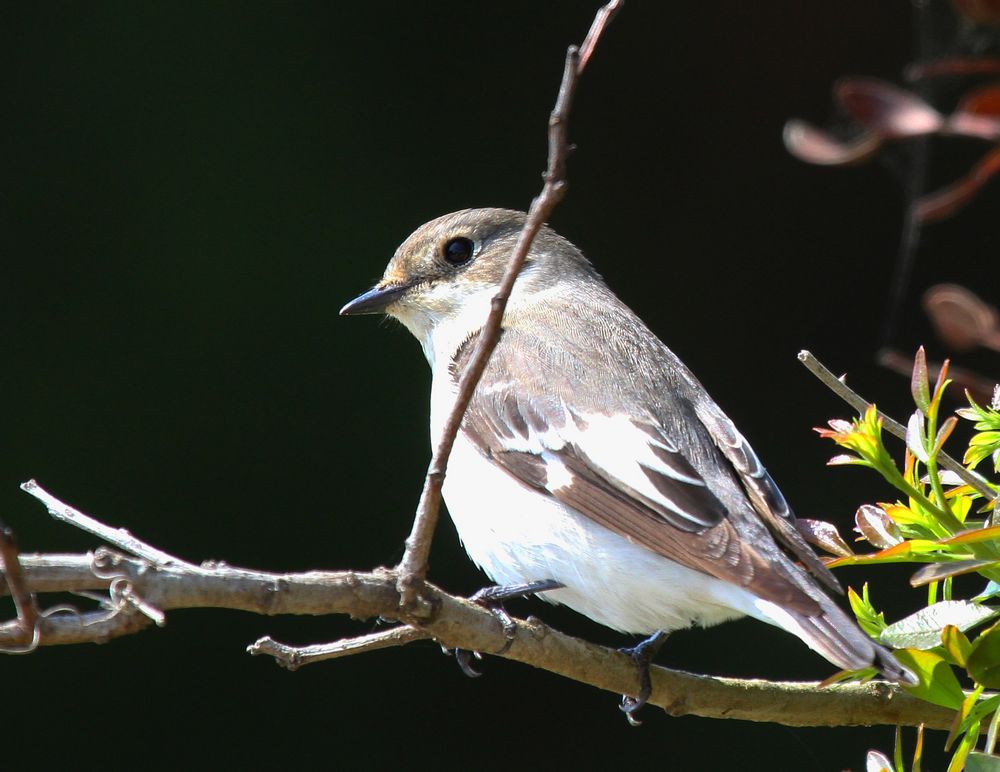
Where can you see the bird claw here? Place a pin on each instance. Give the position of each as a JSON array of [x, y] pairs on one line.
[[642, 655], [464, 659], [492, 599]]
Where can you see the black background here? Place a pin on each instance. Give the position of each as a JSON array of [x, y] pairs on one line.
[[190, 193]]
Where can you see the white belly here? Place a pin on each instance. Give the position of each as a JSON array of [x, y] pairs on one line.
[[517, 535]]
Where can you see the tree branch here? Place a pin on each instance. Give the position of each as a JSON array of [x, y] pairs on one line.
[[454, 623], [294, 657], [119, 537], [413, 567]]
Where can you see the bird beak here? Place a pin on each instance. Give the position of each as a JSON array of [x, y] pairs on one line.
[[375, 300]]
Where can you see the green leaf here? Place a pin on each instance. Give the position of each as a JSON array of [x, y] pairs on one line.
[[923, 629], [969, 740], [961, 722], [991, 590], [984, 707], [984, 659], [982, 762], [870, 620], [957, 644], [919, 382], [938, 683], [973, 536], [980, 446]]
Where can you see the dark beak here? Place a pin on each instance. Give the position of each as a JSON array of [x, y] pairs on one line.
[[375, 300]]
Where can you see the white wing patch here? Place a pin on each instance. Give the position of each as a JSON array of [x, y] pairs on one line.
[[615, 446], [559, 476], [620, 449]]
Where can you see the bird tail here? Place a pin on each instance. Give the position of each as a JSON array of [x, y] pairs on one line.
[[832, 634]]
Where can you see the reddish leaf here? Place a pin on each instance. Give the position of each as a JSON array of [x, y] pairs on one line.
[[953, 65], [886, 109], [877, 527], [982, 101], [946, 201], [960, 318], [941, 382], [815, 146], [824, 535], [980, 388], [977, 115], [944, 433], [985, 12]]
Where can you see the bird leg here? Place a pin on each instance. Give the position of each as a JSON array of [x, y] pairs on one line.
[[492, 598], [642, 655]]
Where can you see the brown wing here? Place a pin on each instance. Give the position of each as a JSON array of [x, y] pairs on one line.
[[631, 479], [762, 491]]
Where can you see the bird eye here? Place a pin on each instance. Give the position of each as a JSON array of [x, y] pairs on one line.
[[458, 251]]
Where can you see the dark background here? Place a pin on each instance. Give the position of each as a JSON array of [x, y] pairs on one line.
[[190, 193]]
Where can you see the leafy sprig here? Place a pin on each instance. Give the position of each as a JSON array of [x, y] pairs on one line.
[[949, 526]]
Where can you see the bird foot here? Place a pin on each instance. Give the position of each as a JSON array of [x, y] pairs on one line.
[[492, 599], [642, 655]]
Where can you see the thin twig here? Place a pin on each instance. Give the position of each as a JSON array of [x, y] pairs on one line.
[[294, 657], [24, 601], [859, 403], [119, 537], [413, 568]]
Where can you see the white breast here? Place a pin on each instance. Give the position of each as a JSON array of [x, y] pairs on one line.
[[517, 535]]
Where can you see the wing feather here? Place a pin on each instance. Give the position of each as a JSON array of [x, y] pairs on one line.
[[630, 478], [762, 491]]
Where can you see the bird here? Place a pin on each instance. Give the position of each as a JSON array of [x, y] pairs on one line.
[[591, 464]]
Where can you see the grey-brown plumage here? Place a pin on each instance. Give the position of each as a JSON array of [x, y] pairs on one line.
[[627, 459]]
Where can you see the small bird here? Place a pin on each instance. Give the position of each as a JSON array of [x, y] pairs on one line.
[[592, 460]]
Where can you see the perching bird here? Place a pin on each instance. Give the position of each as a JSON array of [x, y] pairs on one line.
[[592, 458]]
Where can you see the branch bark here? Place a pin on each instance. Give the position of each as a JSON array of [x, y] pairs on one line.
[[454, 623]]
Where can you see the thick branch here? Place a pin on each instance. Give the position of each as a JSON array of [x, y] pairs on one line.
[[454, 623], [413, 568]]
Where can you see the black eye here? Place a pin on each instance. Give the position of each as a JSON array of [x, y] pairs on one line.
[[458, 251]]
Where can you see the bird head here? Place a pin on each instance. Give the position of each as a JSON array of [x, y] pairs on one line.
[[448, 270]]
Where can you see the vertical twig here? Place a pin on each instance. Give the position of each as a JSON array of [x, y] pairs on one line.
[[24, 601], [413, 568], [913, 180]]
